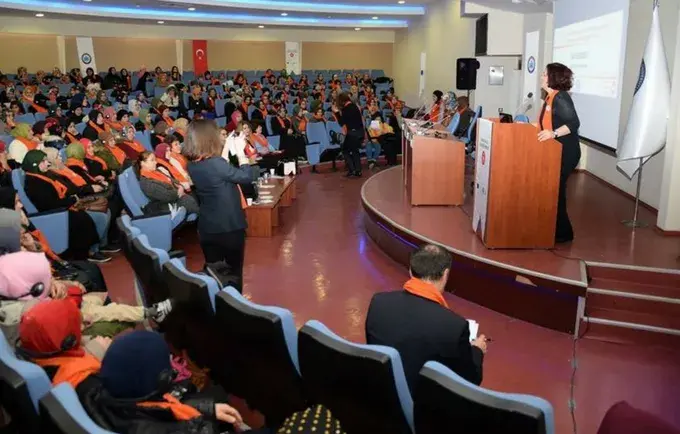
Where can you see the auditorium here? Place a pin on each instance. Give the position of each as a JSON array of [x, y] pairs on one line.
[[339, 217]]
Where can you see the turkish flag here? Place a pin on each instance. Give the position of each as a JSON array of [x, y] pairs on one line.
[[200, 56]]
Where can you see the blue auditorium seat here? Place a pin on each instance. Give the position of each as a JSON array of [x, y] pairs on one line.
[[263, 355], [221, 122], [28, 118], [53, 224], [147, 263], [158, 229], [445, 402], [22, 384], [453, 125], [274, 142], [317, 141], [144, 137], [333, 126], [268, 125], [62, 413], [362, 385]]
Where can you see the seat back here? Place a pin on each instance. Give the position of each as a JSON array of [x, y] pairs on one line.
[[274, 142], [445, 402], [362, 385], [333, 126], [22, 384], [147, 265], [263, 344], [18, 180], [473, 123], [268, 124], [62, 412], [132, 193], [144, 137], [453, 125], [128, 233]]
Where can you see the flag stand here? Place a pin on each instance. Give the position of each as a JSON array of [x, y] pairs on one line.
[[635, 223]]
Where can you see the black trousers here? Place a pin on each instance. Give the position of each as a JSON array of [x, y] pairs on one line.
[[350, 150], [571, 154], [229, 247], [390, 144]]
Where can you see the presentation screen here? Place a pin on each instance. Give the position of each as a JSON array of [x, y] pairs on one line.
[[590, 38]]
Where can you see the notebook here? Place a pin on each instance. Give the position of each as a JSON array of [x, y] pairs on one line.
[[474, 329]]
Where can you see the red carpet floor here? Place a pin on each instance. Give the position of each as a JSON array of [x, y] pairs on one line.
[[321, 265]]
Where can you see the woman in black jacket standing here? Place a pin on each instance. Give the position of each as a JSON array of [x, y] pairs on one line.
[[349, 115], [222, 223], [560, 121]]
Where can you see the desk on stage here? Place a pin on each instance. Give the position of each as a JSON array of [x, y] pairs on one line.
[[434, 167], [263, 218]]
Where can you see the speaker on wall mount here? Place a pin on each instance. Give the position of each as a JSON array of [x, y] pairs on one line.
[[466, 73]]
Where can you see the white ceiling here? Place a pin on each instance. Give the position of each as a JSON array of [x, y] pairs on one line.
[[522, 6]]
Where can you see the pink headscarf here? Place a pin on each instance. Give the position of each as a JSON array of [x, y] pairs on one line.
[[161, 150], [20, 271], [109, 114]]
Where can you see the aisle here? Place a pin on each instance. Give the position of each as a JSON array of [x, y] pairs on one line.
[[321, 265]]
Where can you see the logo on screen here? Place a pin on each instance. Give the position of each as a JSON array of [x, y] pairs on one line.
[[483, 158], [531, 65], [86, 58], [641, 77]]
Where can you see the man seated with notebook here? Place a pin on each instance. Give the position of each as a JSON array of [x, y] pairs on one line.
[[418, 323]]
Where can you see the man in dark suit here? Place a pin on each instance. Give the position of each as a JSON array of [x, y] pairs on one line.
[[417, 322], [466, 115]]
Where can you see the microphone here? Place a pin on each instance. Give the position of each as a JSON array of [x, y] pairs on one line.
[[526, 105]]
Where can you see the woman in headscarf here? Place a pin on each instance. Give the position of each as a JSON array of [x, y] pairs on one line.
[[171, 163], [76, 107], [129, 144], [125, 79], [144, 76], [318, 116], [23, 142], [95, 125], [111, 119], [91, 78], [196, 101], [236, 118], [135, 104], [95, 166], [300, 118], [180, 127], [161, 189], [261, 111], [106, 149], [292, 144], [159, 132], [74, 182], [75, 160], [111, 80], [145, 122], [47, 193], [134, 392], [164, 116], [29, 97], [244, 107], [123, 120]]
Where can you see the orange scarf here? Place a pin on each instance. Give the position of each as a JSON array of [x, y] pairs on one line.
[[72, 370], [244, 106], [302, 126], [181, 133], [30, 144], [168, 120], [176, 174], [264, 113], [547, 119], [97, 128], [282, 122], [71, 137], [42, 240], [72, 176], [155, 175], [138, 147], [100, 161], [35, 106], [435, 112], [77, 163], [58, 186], [425, 290], [118, 153], [262, 140], [179, 411], [180, 159], [250, 150]]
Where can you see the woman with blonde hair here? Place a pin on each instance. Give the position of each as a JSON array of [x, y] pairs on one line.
[[222, 223]]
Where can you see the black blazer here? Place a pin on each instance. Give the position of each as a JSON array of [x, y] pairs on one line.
[[464, 123], [350, 116], [215, 185], [564, 113], [422, 330]]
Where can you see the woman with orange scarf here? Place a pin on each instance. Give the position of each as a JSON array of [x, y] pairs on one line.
[[24, 141], [129, 144], [28, 97], [48, 193], [292, 144], [261, 112], [95, 125], [244, 107], [106, 149], [75, 183], [171, 162], [162, 190], [164, 115], [436, 114], [81, 159]]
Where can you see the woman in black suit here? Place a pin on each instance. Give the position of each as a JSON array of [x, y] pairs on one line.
[[349, 115], [559, 121], [222, 226]]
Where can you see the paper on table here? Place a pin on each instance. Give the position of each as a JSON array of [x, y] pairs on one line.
[[474, 329]]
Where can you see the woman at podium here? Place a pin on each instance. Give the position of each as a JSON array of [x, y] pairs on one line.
[[559, 121]]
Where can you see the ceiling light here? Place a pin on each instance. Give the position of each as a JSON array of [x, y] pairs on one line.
[[39, 15], [161, 22], [260, 26], [357, 28], [192, 9], [375, 18], [87, 1], [401, 2], [284, 14]]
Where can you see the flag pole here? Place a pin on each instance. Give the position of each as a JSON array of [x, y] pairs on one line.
[[635, 223]]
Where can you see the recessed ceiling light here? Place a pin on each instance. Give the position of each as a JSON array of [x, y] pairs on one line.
[[375, 18], [192, 9], [87, 1], [260, 27], [39, 15], [284, 14], [161, 22], [401, 2], [357, 28]]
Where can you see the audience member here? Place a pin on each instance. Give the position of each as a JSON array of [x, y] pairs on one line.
[[24, 141], [348, 115], [161, 190], [466, 116], [419, 324]]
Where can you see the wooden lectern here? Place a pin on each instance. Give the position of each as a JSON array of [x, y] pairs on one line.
[[434, 166], [516, 186]]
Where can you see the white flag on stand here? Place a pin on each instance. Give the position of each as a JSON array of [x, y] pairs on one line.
[[648, 119]]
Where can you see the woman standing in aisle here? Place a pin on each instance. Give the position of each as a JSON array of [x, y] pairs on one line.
[[348, 115], [559, 121], [222, 223]]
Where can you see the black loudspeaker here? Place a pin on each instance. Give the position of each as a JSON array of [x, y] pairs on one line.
[[466, 73]]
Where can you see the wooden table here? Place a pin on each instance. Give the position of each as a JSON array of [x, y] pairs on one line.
[[263, 218]]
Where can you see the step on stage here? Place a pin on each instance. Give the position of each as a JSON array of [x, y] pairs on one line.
[[543, 287]]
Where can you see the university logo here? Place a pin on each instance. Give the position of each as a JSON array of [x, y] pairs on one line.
[[86, 58], [531, 65]]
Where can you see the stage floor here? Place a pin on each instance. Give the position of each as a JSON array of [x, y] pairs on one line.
[[595, 210]]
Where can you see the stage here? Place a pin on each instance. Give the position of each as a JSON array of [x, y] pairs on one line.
[[544, 287]]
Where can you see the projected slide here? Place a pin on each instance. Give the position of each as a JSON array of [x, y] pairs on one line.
[[592, 49]]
